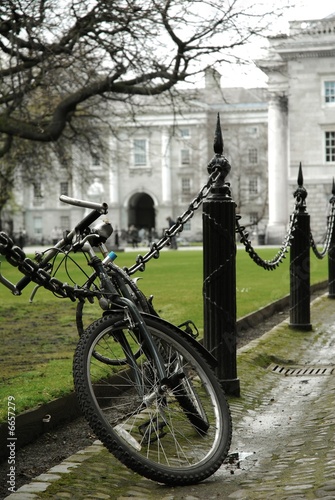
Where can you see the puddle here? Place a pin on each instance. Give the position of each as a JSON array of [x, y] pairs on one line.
[[234, 461]]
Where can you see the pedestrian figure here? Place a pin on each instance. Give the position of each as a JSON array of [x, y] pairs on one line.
[[22, 238], [173, 239], [133, 233]]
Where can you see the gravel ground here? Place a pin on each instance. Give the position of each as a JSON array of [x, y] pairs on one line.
[[51, 448]]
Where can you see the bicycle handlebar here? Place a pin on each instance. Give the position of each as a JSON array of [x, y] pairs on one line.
[[31, 272], [100, 207], [97, 210]]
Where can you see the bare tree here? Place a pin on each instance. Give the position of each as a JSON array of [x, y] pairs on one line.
[[62, 62]]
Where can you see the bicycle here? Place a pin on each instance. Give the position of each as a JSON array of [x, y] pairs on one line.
[[145, 386]]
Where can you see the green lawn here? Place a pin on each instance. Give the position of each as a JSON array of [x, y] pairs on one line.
[[37, 339]]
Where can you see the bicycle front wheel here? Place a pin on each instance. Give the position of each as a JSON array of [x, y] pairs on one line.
[[177, 433]]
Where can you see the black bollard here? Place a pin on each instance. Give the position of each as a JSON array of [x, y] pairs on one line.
[[219, 261], [331, 251], [300, 263]]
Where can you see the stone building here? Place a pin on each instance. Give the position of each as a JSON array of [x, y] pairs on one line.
[[157, 165], [301, 121]]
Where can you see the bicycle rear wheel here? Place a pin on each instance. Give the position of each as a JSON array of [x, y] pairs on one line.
[[177, 434]]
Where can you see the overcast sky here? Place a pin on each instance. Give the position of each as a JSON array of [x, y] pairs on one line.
[[304, 10], [312, 9]]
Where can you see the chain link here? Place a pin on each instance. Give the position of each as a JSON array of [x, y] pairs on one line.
[[268, 265], [17, 258], [177, 228], [324, 251]]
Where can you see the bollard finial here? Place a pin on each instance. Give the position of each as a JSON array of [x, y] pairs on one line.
[[300, 193], [218, 140], [219, 162], [300, 176]]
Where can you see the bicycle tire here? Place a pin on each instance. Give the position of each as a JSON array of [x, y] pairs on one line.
[[152, 433]]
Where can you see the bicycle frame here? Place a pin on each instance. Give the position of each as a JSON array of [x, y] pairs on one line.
[[126, 303]]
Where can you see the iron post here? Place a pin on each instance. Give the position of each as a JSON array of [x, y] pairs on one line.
[[331, 251], [300, 262], [219, 264]]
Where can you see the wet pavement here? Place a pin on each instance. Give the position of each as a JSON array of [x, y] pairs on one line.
[[283, 438]]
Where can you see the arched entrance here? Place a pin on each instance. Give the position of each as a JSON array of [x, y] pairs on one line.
[[141, 211]]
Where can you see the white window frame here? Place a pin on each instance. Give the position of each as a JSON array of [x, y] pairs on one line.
[[253, 130], [185, 132], [64, 188], [331, 147], [95, 160], [253, 156], [185, 156], [186, 185], [64, 222], [331, 93], [137, 163], [38, 226], [253, 218], [253, 186], [37, 194]]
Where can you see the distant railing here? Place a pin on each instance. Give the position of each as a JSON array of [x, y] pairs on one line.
[[220, 223], [317, 27]]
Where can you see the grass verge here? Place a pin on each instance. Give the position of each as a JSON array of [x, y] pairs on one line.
[[37, 339]]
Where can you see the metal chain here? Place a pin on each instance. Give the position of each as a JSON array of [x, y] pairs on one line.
[[177, 228], [268, 265], [324, 251], [17, 258]]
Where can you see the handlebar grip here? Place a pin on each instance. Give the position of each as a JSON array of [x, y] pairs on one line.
[[101, 207]]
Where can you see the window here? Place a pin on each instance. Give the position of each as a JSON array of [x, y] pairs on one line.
[[253, 131], [329, 92], [185, 133], [64, 188], [253, 186], [38, 190], [95, 160], [253, 156], [185, 156], [37, 226], [65, 222], [330, 146], [253, 218], [37, 194], [186, 185], [140, 152]]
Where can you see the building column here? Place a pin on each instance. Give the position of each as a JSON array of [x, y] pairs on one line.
[[277, 169], [113, 185], [114, 197], [166, 167]]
